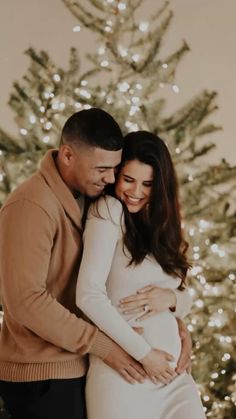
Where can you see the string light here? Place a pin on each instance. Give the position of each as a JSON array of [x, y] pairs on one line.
[[144, 26], [32, 119], [85, 93], [78, 105], [121, 6], [56, 78], [104, 63], [48, 125], [46, 139], [123, 87], [101, 50], [175, 88], [123, 51], [62, 106], [131, 126], [133, 110], [136, 58], [76, 28]]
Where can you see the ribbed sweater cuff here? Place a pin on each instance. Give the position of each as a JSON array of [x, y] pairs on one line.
[[102, 345]]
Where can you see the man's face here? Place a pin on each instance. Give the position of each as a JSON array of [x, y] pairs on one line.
[[90, 169]]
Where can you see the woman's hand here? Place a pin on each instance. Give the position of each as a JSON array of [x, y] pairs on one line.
[[148, 301], [156, 365]]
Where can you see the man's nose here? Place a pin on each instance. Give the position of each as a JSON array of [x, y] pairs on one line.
[[109, 176]]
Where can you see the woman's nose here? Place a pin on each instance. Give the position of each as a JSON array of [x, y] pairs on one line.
[[136, 189]]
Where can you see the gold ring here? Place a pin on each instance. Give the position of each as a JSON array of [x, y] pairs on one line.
[[146, 308]]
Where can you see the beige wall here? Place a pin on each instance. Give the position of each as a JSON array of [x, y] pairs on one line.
[[207, 25]]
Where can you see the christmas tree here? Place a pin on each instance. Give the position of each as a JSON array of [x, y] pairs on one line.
[[126, 77]]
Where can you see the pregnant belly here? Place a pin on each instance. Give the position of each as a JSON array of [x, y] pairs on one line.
[[161, 332]]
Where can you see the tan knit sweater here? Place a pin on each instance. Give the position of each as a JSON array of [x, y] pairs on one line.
[[43, 335]]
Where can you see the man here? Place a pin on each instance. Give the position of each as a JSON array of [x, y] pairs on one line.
[[44, 338]]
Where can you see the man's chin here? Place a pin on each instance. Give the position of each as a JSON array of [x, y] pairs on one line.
[[95, 194]]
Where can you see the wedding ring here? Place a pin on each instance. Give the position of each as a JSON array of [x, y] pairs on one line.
[[146, 308]]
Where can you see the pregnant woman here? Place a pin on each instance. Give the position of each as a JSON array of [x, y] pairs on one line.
[[132, 240]]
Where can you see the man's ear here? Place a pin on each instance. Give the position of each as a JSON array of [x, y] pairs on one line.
[[66, 154]]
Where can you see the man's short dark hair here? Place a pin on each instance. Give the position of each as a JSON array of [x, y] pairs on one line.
[[93, 127]]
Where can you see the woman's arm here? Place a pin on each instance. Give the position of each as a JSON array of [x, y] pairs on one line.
[[151, 300], [100, 240]]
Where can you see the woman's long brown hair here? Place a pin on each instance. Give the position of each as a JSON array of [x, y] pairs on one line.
[[156, 230]]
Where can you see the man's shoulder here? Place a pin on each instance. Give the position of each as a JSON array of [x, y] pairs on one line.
[[36, 190]]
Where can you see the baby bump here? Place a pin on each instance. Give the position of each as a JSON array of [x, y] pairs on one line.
[[161, 332]]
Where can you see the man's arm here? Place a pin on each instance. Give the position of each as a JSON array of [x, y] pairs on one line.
[[26, 241]]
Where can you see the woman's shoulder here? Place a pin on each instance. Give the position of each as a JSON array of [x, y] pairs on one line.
[[107, 207]]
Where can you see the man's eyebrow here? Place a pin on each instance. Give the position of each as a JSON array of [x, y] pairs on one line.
[[106, 167]]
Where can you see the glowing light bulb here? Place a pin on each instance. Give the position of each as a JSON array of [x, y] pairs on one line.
[[76, 28], [101, 50], [123, 51], [121, 6], [46, 139], [85, 93], [104, 63], [32, 119], [136, 58], [175, 88], [144, 26], [56, 78]]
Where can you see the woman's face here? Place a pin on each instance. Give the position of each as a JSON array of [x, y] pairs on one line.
[[134, 185]]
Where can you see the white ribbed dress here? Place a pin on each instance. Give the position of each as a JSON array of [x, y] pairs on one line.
[[104, 278]]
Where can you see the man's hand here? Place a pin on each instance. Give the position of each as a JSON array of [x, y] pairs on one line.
[[184, 362], [131, 370]]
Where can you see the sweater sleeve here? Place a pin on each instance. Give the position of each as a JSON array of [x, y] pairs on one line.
[[100, 240], [26, 241], [183, 303]]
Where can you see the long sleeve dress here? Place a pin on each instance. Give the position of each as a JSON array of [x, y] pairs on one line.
[[104, 278]]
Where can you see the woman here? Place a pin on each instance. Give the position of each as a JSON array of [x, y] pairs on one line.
[[133, 240]]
